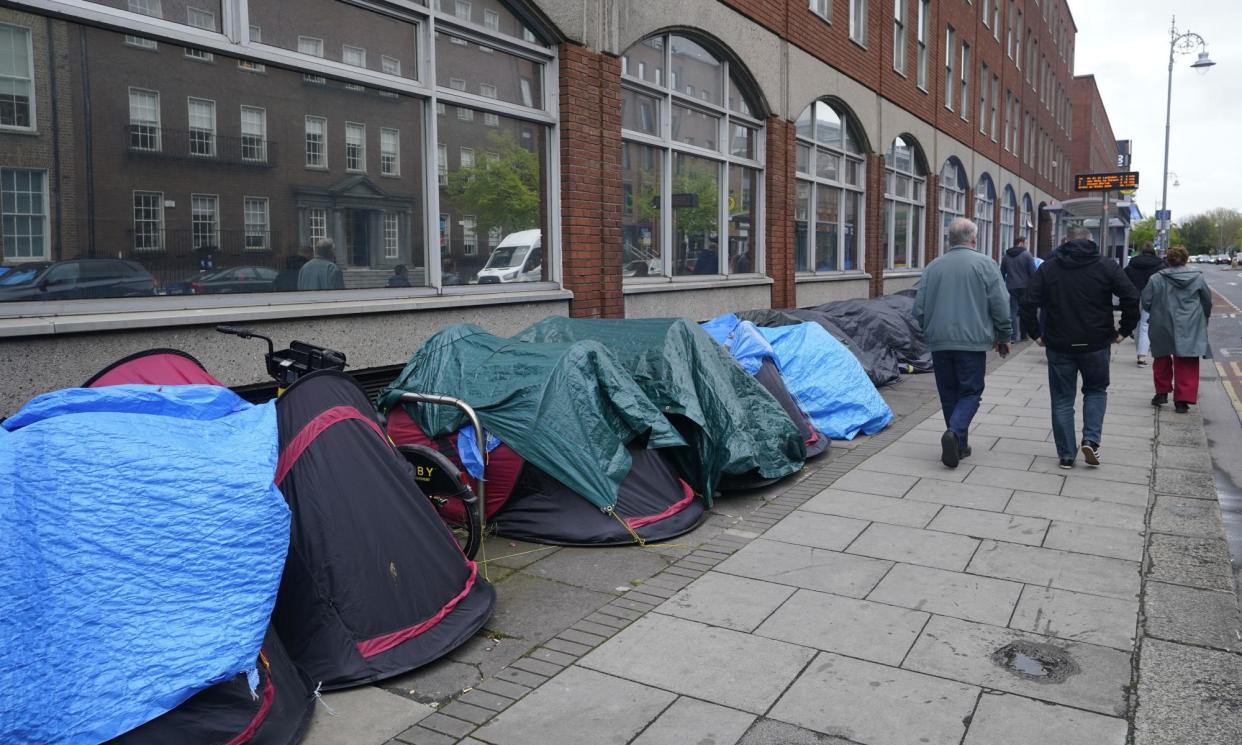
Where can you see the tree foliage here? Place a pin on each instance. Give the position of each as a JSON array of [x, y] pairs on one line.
[[1214, 231], [502, 192]]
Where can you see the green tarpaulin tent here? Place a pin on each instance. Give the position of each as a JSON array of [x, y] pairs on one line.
[[731, 424], [568, 408]]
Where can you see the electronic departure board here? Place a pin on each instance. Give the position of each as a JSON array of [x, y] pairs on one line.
[[1106, 181]]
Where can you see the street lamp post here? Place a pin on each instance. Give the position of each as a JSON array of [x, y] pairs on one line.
[[1179, 43]]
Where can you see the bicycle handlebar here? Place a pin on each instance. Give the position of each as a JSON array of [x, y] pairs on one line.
[[245, 333]]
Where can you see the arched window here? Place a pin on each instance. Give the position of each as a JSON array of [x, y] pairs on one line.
[[692, 152], [831, 177], [1027, 224], [905, 190], [952, 197], [1008, 214], [985, 203]]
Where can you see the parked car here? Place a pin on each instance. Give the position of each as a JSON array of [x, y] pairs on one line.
[[19, 273], [230, 280], [518, 258], [79, 279]]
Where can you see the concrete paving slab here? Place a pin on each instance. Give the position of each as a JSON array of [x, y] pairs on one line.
[[1205, 618], [1015, 720], [364, 716], [1110, 472], [533, 609], [577, 706], [1010, 478], [931, 452], [960, 495], [771, 732], [1182, 483], [870, 482], [983, 524], [932, 437], [859, 628], [601, 569], [1084, 488], [1118, 543], [1187, 434], [915, 546], [1182, 516], [514, 554], [1187, 459], [1091, 677], [725, 600], [437, 683], [803, 566], [884, 463], [1075, 510], [1076, 616], [1195, 562], [891, 510], [876, 704], [814, 529], [727, 667], [945, 593], [1188, 695], [1023, 446], [1035, 434], [692, 721], [1050, 568]]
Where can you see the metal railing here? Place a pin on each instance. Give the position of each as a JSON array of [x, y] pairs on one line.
[[200, 145]]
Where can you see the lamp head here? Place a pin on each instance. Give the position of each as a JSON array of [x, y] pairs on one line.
[[1203, 63]]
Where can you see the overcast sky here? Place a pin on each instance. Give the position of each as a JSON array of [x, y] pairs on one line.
[[1126, 46]]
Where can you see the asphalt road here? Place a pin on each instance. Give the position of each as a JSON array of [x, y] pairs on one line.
[[1220, 400]]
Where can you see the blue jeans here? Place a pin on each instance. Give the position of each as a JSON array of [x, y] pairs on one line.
[[1063, 371], [1015, 304], [959, 381]]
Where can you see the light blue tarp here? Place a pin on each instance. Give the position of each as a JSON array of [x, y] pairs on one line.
[[743, 340], [141, 546], [828, 381]]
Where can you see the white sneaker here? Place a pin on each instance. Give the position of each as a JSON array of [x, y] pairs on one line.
[[1142, 361]]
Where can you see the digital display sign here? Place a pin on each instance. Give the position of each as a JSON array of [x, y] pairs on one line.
[[1106, 181]]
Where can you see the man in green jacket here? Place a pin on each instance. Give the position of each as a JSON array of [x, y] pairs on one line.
[[963, 308], [321, 272]]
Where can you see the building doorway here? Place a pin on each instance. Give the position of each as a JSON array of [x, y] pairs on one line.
[[358, 237]]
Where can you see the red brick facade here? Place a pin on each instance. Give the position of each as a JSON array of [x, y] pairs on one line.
[[779, 183], [590, 101], [1095, 147]]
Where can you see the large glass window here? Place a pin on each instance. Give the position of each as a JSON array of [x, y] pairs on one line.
[[17, 100], [692, 152], [985, 205], [831, 180], [1027, 223], [952, 198], [1008, 217], [905, 190], [899, 36], [260, 164], [923, 31], [23, 199]]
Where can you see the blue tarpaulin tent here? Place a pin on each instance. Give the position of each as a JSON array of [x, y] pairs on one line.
[[828, 381], [141, 546], [743, 340]]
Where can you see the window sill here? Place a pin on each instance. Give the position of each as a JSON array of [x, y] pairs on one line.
[[904, 272], [851, 276], [679, 284], [860, 44], [346, 303], [20, 131]]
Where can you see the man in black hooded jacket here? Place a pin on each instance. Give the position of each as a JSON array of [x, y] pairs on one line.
[[1144, 264], [1075, 290], [1017, 266]]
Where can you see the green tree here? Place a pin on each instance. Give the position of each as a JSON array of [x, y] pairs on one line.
[[1198, 235], [502, 192], [1145, 231]]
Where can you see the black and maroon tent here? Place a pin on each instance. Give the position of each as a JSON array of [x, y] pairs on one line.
[[227, 712], [522, 501], [375, 584]]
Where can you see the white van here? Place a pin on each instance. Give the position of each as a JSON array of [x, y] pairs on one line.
[[518, 258]]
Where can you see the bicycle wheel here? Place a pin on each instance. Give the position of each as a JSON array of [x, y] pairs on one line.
[[445, 485]]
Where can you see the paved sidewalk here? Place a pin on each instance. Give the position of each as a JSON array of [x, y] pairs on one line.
[[884, 600]]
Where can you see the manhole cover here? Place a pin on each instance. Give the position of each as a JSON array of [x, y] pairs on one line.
[[1042, 663]]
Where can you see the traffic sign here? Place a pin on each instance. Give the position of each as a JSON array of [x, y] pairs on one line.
[[1106, 181], [1163, 215]]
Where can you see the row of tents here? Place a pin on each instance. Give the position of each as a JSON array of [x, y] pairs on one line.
[[185, 566]]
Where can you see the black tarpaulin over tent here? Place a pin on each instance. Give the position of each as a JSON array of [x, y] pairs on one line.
[[883, 322], [375, 584], [227, 712], [879, 361], [737, 434]]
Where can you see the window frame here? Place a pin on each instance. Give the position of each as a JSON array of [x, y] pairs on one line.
[[262, 135], [213, 133], [30, 82], [814, 181], [322, 165], [899, 37], [924, 25], [946, 194], [666, 91], [160, 222], [246, 224], [45, 205], [858, 22], [215, 223], [822, 9], [950, 54], [157, 127], [361, 145], [985, 203], [916, 201], [395, 172]]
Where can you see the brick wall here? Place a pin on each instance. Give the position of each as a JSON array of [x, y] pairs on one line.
[[779, 183], [590, 99], [875, 250]]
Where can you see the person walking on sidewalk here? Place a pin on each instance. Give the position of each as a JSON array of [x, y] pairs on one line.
[[1179, 303], [963, 308], [1017, 268], [1142, 265], [1075, 291]]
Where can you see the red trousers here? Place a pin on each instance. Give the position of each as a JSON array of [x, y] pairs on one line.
[[1177, 375]]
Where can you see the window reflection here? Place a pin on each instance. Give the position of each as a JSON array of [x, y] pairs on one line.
[[483, 70], [696, 216], [370, 40], [641, 167]]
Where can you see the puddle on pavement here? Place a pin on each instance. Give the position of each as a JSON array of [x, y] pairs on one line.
[[1041, 663]]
